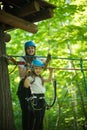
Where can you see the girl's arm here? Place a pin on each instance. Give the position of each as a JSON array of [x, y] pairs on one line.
[[50, 75], [26, 83]]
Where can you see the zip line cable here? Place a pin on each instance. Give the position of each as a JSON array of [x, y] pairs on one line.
[[52, 57]]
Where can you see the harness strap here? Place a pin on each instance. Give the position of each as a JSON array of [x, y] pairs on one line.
[[47, 61]]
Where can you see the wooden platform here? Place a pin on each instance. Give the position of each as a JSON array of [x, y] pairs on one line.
[[24, 13]]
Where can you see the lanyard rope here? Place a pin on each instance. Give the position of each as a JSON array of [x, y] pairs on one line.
[[48, 106]]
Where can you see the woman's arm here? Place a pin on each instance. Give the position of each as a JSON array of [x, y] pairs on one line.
[[23, 70]]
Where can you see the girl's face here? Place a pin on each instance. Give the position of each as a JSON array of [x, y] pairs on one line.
[[37, 70], [30, 50]]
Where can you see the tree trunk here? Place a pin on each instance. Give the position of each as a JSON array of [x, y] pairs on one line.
[[59, 117], [6, 112], [75, 123]]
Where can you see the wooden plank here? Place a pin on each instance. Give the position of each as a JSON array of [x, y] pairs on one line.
[[17, 22], [27, 9], [42, 15]]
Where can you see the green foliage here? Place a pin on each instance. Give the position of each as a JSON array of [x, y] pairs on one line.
[[64, 36]]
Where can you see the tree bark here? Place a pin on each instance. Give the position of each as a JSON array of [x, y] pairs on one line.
[[6, 111]]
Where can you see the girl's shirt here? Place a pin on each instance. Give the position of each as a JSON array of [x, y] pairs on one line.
[[36, 85]]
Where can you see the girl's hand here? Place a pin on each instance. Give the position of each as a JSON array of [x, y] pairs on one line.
[[51, 70]]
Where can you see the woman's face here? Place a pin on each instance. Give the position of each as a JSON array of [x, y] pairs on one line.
[[37, 70], [30, 50]]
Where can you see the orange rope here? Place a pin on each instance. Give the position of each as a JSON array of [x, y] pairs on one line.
[[67, 68]]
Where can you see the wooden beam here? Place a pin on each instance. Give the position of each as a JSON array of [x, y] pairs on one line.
[[9, 28], [42, 15], [17, 22], [27, 9], [46, 4]]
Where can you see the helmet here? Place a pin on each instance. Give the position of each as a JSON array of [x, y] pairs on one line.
[[29, 43], [37, 62]]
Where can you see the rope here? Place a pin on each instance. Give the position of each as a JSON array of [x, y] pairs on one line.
[[55, 95], [13, 70], [52, 57], [79, 69]]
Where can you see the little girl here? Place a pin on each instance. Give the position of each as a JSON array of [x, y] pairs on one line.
[[36, 102]]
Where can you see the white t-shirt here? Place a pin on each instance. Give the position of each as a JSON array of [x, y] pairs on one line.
[[36, 87]]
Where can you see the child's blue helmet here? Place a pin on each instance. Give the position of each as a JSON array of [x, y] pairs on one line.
[[29, 43], [37, 62]]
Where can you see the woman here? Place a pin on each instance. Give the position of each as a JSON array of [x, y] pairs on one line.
[[30, 50], [36, 102]]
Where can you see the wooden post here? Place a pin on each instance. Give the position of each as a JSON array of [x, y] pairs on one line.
[[6, 112]]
